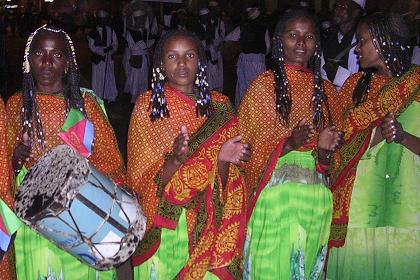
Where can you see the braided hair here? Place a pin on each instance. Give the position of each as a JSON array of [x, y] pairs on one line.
[[31, 121], [391, 39], [282, 87], [158, 103]]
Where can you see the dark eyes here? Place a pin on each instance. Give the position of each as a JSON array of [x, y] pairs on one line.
[[57, 54], [188, 55], [307, 37]]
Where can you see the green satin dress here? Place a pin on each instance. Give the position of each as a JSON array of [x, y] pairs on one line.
[[287, 234], [383, 239]]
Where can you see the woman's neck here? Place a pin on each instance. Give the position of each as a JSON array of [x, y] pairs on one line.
[[185, 89]]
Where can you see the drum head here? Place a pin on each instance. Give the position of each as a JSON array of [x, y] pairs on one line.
[[50, 183]]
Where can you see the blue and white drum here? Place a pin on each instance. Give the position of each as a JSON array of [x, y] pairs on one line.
[[83, 212]]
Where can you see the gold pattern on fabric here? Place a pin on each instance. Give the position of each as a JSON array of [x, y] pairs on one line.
[[394, 96]]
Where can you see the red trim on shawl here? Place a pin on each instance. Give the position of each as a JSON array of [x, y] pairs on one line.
[[266, 176], [340, 181], [223, 273], [162, 222], [138, 260]]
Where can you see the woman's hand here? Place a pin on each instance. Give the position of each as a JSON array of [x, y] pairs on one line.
[[329, 139], [180, 146], [234, 151], [301, 135], [178, 156], [391, 129], [22, 153]]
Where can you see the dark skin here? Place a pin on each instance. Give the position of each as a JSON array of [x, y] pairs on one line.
[[299, 43], [180, 61], [345, 15], [390, 129], [48, 61]]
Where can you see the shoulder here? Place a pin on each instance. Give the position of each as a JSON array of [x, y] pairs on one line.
[[219, 97], [221, 101], [329, 87], [14, 101], [264, 81], [352, 81], [142, 104]]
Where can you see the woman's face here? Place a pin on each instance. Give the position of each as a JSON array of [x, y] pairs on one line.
[[48, 61], [368, 57], [180, 61], [299, 41]]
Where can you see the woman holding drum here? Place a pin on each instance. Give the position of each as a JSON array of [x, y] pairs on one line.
[[183, 149], [35, 116]]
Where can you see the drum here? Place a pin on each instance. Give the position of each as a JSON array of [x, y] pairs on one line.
[[83, 212]]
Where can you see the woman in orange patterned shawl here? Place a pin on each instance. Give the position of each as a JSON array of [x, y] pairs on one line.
[[34, 118], [376, 176], [285, 118], [181, 146]]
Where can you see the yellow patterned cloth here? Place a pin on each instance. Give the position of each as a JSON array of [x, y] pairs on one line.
[[260, 125], [215, 216], [385, 96]]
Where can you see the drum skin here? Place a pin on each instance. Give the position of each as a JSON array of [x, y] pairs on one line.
[[83, 212]]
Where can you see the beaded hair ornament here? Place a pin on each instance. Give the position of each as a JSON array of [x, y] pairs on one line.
[[26, 66], [31, 120], [158, 103]]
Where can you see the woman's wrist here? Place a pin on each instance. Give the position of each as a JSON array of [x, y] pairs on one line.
[[324, 156]]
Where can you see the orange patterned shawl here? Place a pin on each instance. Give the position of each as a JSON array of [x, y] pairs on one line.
[[5, 169], [7, 265], [105, 157], [260, 125], [215, 216], [386, 95]]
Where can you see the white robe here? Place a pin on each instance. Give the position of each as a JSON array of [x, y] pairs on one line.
[[137, 79], [103, 72]]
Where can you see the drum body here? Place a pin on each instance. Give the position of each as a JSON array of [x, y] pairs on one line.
[[83, 212]]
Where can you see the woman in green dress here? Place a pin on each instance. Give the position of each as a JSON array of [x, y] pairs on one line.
[[376, 186], [285, 118]]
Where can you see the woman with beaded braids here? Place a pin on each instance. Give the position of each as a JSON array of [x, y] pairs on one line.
[[34, 118], [183, 149], [376, 175], [285, 118]]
